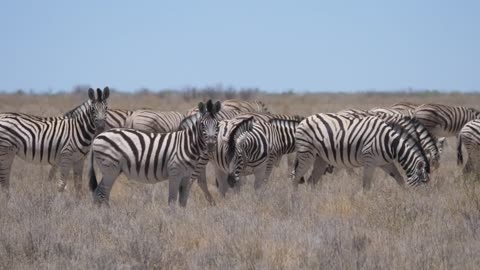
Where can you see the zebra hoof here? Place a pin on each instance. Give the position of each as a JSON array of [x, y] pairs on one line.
[[231, 181], [61, 187]]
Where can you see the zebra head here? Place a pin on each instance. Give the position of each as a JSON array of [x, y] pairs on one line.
[[420, 174], [208, 123], [98, 107]]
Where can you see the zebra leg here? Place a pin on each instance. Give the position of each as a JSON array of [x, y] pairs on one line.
[[222, 181], [469, 168], [62, 182], [7, 155], [202, 182], [77, 176], [174, 182], [368, 171], [260, 175], [392, 170], [302, 163], [184, 190], [102, 192], [53, 172], [318, 171]]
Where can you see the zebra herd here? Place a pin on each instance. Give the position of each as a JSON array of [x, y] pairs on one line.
[[240, 138]]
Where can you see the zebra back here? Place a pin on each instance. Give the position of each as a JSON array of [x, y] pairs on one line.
[[154, 121], [404, 106], [443, 120]]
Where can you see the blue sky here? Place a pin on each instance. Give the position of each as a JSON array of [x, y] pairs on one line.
[[272, 45]]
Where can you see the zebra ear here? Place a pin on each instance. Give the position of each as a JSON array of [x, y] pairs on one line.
[[99, 94], [201, 107], [106, 92], [217, 106], [91, 94], [209, 106]]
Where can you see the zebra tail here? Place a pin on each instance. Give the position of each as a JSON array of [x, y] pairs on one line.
[[91, 173], [459, 151]]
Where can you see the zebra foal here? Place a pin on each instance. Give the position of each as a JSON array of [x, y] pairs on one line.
[[153, 157]]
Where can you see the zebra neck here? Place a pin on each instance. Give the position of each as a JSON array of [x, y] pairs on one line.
[[79, 110], [197, 144], [404, 154]]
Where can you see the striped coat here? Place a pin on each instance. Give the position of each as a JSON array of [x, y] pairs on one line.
[[331, 139], [153, 157], [61, 141]]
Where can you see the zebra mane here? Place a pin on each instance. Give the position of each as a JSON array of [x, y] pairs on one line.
[[78, 110], [416, 124], [188, 122], [240, 128], [410, 139], [279, 121], [262, 106]]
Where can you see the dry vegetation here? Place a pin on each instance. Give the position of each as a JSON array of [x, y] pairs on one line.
[[333, 226]]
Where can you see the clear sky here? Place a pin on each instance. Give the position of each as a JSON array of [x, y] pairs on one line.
[[273, 45]]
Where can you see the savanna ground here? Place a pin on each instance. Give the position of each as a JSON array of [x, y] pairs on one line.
[[333, 226]]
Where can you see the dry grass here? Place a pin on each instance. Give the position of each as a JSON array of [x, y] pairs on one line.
[[333, 226]]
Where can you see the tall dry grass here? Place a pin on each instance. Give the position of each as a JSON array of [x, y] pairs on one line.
[[333, 226]]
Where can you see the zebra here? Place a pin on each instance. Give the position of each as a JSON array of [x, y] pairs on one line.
[[61, 141], [340, 141], [252, 143], [469, 136], [431, 145], [154, 121], [443, 120], [153, 157]]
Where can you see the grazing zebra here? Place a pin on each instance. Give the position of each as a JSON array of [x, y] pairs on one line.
[[61, 141], [252, 143], [332, 139], [430, 144], [153, 157], [239, 105], [469, 136], [154, 121]]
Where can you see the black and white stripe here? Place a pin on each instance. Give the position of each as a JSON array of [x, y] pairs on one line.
[[116, 118], [340, 141], [153, 157], [443, 120], [61, 141], [469, 136], [430, 144], [252, 143]]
